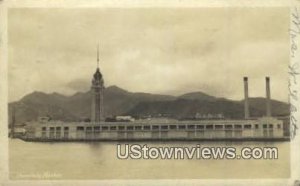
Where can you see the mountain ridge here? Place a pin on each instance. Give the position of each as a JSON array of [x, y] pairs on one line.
[[118, 101]]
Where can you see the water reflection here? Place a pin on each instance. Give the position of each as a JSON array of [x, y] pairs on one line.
[[98, 160]]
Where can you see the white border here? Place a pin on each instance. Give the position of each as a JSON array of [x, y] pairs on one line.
[[4, 5]]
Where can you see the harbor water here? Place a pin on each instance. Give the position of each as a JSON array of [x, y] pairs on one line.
[[98, 160]]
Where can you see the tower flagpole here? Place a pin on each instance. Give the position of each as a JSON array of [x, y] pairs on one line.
[[98, 55]]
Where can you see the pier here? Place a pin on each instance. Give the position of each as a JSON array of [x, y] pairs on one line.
[[265, 128]]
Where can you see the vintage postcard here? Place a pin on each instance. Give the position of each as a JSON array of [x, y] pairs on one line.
[[149, 93]]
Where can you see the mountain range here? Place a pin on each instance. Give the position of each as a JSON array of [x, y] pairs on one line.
[[118, 101]]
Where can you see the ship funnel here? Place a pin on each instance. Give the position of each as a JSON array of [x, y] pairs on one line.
[[268, 97], [246, 101]]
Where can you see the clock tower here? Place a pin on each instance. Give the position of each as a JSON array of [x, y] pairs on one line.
[[97, 90]]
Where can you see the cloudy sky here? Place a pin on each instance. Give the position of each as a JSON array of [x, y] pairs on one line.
[[166, 51]]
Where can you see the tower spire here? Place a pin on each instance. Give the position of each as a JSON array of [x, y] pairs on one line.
[[97, 112], [98, 55]]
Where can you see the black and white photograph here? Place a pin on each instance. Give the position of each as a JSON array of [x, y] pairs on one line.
[[152, 93]]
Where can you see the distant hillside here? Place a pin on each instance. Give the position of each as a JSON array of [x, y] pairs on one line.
[[197, 96], [187, 108], [278, 108], [118, 102], [78, 106]]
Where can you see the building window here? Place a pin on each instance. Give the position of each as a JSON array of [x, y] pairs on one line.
[[256, 126], [129, 127], [80, 132], [155, 127], [79, 128], [278, 126], [164, 127], [218, 126], [113, 128], [89, 132], [238, 126], [146, 127], [265, 126], [66, 132], [121, 127], [173, 127], [104, 127], [58, 132], [44, 132], [228, 126], [271, 126], [97, 128], [96, 131], [247, 126], [191, 126], [200, 126], [138, 127], [209, 126], [52, 130], [181, 127]]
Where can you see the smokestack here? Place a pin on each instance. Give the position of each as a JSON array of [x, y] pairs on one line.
[[246, 101], [268, 94]]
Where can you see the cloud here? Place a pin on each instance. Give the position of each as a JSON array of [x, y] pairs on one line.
[[156, 50], [81, 85]]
